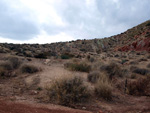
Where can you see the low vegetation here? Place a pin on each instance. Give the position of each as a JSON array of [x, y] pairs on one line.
[[10, 64], [148, 66], [66, 56], [29, 69], [96, 76], [68, 91], [140, 87], [41, 55], [103, 88], [83, 67], [3, 72], [141, 71], [112, 69], [14, 62], [93, 76]]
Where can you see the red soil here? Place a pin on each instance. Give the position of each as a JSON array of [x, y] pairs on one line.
[[11, 107], [141, 45]]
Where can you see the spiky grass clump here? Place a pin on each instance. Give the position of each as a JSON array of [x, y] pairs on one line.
[[95, 76], [68, 91], [103, 88]]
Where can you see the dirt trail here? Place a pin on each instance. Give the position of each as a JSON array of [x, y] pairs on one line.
[[51, 72], [12, 107]]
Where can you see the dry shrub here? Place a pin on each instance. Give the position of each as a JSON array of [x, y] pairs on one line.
[[41, 55], [15, 62], [2, 71], [141, 71], [133, 76], [68, 91], [140, 87], [90, 58], [6, 66], [11, 63], [96, 65], [148, 66], [83, 67], [103, 90], [29, 69], [66, 56], [113, 70], [95, 76]]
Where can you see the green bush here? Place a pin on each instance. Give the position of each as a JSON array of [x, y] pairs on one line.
[[83, 67], [29, 69], [68, 91]]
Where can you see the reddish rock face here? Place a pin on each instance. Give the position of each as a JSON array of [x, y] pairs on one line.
[[140, 45]]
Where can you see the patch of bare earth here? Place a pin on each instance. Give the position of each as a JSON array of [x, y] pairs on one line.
[[15, 107]]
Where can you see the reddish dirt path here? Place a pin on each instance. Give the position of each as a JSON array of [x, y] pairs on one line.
[[11, 107]]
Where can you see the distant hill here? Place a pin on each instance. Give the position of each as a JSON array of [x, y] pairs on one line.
[[134, 39]]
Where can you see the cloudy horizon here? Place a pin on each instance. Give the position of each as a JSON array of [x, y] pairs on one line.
[[47, 21]]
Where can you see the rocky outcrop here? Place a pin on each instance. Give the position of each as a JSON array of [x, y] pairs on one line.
[[140, 45]]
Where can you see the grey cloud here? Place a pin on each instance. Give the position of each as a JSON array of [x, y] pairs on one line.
[[130, 12], [15, 24], [116, 17], [102, 19], [82, 21]]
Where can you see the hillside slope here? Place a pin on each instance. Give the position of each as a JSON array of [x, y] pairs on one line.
[[136, 38]]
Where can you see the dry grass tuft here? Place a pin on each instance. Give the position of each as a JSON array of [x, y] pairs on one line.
[[68, 91], [83, 67], [103, 90], [95, 76]]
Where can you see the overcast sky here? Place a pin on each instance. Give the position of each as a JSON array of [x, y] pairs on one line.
[[46, 21]]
